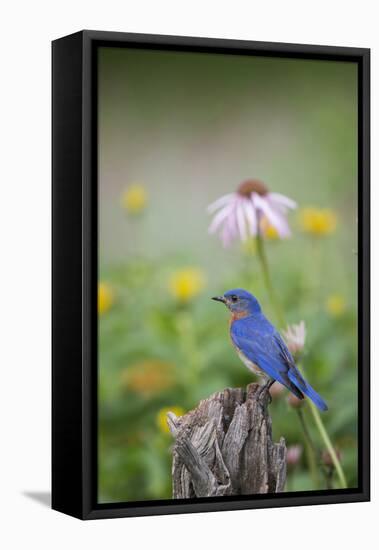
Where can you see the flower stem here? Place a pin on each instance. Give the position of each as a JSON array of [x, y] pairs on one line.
[[310, 449], [190, 350], [328, 444], [280, 316], [267, 279], [318, 269]]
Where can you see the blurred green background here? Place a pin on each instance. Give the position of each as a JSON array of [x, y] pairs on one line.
[[176, 131]]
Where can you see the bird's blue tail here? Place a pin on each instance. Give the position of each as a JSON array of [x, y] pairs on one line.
[[308, 391], [317, 400]]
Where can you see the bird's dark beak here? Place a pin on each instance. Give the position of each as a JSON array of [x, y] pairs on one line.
[[219, 299]]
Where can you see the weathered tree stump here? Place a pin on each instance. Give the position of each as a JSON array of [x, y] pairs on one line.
[[225, 447]]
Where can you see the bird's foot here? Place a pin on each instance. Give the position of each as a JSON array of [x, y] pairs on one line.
[[264, 391]]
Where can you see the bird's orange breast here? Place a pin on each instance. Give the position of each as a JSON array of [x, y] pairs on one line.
[[238, 315]]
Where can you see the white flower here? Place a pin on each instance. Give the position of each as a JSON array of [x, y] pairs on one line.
[[239, 214], [295, 337]]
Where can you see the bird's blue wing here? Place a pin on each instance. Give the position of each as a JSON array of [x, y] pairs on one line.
[[262, 344]]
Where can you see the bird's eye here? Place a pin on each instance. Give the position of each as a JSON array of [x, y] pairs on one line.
[[234, 298]]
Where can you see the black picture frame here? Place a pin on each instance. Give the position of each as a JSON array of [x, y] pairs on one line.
[[74, 273]]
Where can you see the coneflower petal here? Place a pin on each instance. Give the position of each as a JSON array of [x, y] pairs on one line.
[[282, 200], [226, 234], [220, 217], [222, 201], [230, 230], [251, 216], [241, 221], [275, 217], [235, 215]]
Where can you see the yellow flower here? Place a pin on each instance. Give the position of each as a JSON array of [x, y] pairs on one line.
[[149, 377], [105, 298], [268, 230], [318, 221], [162, 417], [186, 283], [335, 305], [134, 198]]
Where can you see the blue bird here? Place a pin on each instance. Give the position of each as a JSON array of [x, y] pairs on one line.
[[260, 346]]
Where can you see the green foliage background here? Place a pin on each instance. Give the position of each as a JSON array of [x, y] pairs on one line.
[[190, 128]]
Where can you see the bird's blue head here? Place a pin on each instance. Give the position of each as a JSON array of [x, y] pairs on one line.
[[240, 302]]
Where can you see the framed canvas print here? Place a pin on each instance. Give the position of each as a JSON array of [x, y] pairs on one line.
[[210, 275]]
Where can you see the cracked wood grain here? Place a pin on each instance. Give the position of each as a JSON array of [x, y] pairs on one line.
[[225, 447]]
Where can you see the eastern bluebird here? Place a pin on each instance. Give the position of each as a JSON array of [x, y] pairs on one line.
[[260, 346]]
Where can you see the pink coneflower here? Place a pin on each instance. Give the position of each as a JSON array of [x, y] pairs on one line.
[[276, 390], [294, 401], [239, 214], [294, 453], [295, 337]]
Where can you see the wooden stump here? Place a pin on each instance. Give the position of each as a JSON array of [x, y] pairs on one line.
[[225, 447]]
